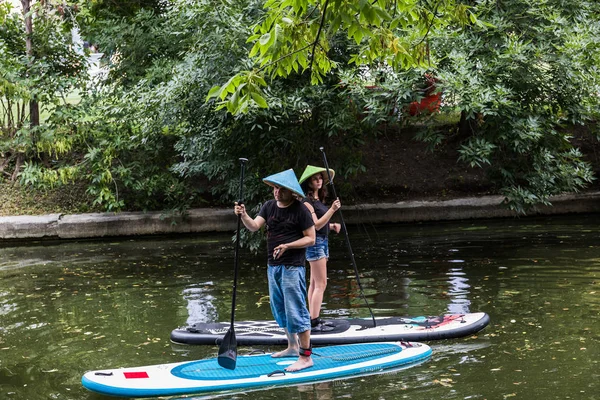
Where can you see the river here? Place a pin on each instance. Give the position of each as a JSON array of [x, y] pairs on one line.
[[68, 307]]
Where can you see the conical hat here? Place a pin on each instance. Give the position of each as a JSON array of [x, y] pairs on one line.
[[310, 170], [286, 179]]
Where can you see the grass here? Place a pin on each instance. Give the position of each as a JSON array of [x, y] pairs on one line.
[[16, 200], [446, 118], [72, 98]]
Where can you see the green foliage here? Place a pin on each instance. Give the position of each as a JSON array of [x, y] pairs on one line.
[[245, 90], [134, 43], [519, 81], [519, 74], [44, 76], [159, 113], [295, 36], [127, 125]]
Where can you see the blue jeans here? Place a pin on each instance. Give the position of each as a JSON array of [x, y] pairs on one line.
[[287, 292], [319, 250]]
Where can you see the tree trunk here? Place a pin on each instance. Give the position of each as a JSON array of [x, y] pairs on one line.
[[18, 164], [464, 126], [4, 162], [34, 113], [34, 107]]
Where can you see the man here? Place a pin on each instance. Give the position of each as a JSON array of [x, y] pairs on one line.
[[290, 229]]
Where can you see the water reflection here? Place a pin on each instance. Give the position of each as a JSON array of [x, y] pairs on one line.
[[200, 305], [318, 391], [458, 291]]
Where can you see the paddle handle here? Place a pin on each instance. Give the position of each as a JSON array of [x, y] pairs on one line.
[[347, 236]]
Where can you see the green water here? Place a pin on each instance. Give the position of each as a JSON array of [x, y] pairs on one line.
[[70, 307]]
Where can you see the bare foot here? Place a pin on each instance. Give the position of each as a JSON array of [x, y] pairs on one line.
[[303, 362], [289, 352]]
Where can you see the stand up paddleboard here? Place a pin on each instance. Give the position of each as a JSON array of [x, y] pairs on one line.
[[340, 331], [253, 371]]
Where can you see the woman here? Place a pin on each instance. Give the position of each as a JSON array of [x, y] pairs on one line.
[[313, 183]]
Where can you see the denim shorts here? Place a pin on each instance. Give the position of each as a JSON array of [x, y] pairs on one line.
[[287, 291], [319, 250]]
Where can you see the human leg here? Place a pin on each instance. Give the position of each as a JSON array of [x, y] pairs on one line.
[[304, 359], [311, 290], [293, 286], [291, 295], [317, 256], [293, 346], [318, 284], [276, 301]]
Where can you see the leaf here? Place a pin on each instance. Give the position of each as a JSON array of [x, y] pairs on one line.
[[213, 92], [262, 103], [264, 39], [254, 50], [358, 36]]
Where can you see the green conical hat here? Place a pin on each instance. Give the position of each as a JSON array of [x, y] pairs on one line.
[[310, 170], [286, 179]]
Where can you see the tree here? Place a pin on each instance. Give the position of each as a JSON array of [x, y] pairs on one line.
[[295, 36], [159, 67], [152, 108], [520, 84], [521, 81], [39, 66], [131, 34], [519, 76]]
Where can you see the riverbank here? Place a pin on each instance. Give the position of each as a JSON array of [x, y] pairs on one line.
[[105, 225]]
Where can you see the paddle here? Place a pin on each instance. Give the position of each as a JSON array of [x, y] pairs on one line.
[[347, 238], [228, 350]]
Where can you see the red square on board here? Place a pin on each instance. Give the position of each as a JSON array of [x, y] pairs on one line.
[[135, 375]]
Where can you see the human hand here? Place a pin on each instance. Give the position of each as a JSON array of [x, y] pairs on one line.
[[239, 209], [278, 251], [335, 227], [336, 205]]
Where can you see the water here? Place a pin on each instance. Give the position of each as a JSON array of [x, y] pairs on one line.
[[69, 307]]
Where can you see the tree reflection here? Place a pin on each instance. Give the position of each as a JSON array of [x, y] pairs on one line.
[[200, 305], [458, 291]]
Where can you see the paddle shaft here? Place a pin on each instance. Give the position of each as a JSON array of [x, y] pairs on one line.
[[237, 242], [347, 237], [227, 357]]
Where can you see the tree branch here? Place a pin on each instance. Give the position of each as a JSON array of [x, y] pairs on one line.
[[312, 58], [283, 56], [429, 25]]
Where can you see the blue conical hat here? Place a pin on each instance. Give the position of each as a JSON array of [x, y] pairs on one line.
[[286, 179], [310, 170]]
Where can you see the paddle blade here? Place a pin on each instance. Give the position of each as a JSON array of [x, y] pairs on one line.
[[228, 350]]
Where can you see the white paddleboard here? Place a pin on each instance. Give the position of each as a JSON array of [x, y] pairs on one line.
[[253, 371]]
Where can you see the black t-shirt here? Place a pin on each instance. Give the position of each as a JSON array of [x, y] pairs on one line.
[[285, 225], [320, 210]]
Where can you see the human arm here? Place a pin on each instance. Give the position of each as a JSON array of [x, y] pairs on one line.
[[336, 227], [251, 224], [308, 239], [319, 223], [311, 210]]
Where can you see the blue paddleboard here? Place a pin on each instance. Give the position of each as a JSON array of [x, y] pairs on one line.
[[253, 371]]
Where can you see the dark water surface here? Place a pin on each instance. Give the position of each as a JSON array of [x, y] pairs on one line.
[[70, 307]]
